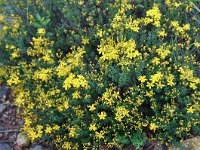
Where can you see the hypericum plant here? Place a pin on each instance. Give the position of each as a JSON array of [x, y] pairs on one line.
[[128, 76]]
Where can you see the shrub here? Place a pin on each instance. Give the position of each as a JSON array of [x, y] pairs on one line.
[[116, 74]]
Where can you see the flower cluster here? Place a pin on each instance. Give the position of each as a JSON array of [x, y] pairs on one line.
[[115, 75]]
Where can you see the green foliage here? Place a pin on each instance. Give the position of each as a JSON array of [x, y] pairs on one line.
[[138, 140], [118, 73]]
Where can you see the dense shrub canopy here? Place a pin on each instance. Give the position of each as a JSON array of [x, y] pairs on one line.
[[94, 72]]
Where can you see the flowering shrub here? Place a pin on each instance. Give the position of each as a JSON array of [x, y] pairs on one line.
[[119, 74]]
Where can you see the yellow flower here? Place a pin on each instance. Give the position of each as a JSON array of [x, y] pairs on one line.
[[31, 133], [28, 121], [43, 74], [149, 94], [121, 112], [170, 79], [150, 85], [80, 81], [100, 135], [56, 127], [160, 85], [81, 3], [162, 33], [190, 110], [92, 127], [92, 107], [41, 31], [193, 86], [174, 24], [196, 44], [5, 28], [100, 33], [147, 20], [1, 17], [156, 77], [60, 108], [48, 130], [85, 41], [102, 115], [67, 145], [14, 79], [15, 54], [76, 95], [66, 104], [72, 132], [68, 81], [153, 126], [142, 79], [39, 130], [186, 26], [156, 60], [155, 14]]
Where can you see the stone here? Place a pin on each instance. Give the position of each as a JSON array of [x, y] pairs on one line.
[[1, 135], [12, 105], [191, 144], [37, 147], [13, 137], [2, 127], [129, 147], [22, 140], [149, 145], [20, 123], [2, 108], [13, 123], [3, 92], [17, 147], [103, 147], [160, 146], [3, 98], [4, 146]]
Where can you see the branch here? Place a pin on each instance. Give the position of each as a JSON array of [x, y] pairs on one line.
[[6, 131]]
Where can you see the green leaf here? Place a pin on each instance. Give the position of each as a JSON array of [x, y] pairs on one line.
[[38, 17], [36, 25], [123, 79], [45, 22], [122, 140], [197, 8], [141, 6], [49, 34], [138, 140]]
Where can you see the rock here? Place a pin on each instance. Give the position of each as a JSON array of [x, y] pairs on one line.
[[13, 123], [3, 92], [2, 127], [4, 146], [1, 135], [129, 147], [191, 144], [20, 123], [37, 147], [22, 140], [2, 108], [13, 137], [103, 147], [17, 147], [149, 145], [12, 105], [3, 98], [160, 146]]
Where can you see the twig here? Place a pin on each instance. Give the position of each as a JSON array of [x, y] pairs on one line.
[[6, 142], [5, 131]]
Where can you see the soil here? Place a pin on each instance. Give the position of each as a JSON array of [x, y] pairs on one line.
[[10, 123]]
